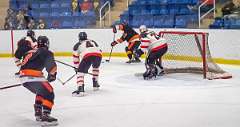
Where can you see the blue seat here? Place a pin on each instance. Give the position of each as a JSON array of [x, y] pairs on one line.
[[184, 10], [217, 24], [66, 4], [55, 13], [44, 5], [67, 23], [138, 20], [148, 20], [173, 9], [79, 22], [44, 13], [163, 10], [35, 14], [35, 5], [66, 13], [181, 22], [234, 23], [76, 13], [55, 5]]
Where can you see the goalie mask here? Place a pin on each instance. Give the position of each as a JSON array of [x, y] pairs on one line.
[[142, 28], [43, 41]]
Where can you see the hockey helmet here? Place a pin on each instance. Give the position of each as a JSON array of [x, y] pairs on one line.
[[43, 41], [82, 36], [31, 33], [142, 28]]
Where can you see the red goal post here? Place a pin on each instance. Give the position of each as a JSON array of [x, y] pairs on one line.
[[189, 52]]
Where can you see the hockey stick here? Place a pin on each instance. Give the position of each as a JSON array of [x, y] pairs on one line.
[[63, 83], [10, 86], [71, 66], [110, 55]]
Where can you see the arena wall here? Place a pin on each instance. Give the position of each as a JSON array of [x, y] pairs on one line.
[[224, 44]]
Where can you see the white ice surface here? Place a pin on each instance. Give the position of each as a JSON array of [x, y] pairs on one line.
[[124, 100]]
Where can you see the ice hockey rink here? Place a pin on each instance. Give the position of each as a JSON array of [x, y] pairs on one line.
[[124, 100]]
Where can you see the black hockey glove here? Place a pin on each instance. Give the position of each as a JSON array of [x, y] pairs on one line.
[[113, 43], [51, 77]]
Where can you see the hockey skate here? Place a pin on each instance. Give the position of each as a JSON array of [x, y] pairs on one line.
[[137, 60], [48, 120], [160, 72], [129, 61], [79, 92], [95, 85], [38, 112]]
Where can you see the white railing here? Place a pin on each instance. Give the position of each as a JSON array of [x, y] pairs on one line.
[[105, 14], [199, 12]]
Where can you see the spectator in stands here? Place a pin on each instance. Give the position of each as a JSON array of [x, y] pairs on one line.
[[21, 25], [75, 6], [31, 24], [231, 9], [55, 24], [41, 24], [85, 6], [10, 20]]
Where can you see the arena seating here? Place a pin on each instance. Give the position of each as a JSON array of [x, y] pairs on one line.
[[225, 23], [160, 13], [56, 10]]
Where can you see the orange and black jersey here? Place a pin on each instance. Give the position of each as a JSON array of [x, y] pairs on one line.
[[129, 34], [23, 47], [35, 61]]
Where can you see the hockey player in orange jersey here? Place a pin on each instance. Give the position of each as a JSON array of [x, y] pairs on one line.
[[131, 37], [32, 78]]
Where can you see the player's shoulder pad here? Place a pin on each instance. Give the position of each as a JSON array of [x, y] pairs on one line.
[[75, 47], [96, 44]]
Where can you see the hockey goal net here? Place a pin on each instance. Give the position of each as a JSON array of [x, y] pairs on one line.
[[188, 52]]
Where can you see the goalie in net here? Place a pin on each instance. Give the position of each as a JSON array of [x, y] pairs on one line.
[[189, 52]]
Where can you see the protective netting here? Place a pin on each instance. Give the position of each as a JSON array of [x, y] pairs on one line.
[[188, 52]]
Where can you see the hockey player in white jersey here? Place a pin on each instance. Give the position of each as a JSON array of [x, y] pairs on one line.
[[91, 55], [155, 47]]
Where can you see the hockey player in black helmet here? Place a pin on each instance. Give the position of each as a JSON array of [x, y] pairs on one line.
[[91, 55], [32, 78], [131, 37], [43, 42], [31, 38]]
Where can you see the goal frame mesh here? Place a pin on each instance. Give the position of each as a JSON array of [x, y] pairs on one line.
[[208, 73]]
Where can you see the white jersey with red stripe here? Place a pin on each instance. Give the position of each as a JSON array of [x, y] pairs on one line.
[[150, 40], [84, 49]]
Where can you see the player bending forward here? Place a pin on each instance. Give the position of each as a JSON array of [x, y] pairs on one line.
[[155, 47], [31, 76], [133, 39], [91, 55]]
